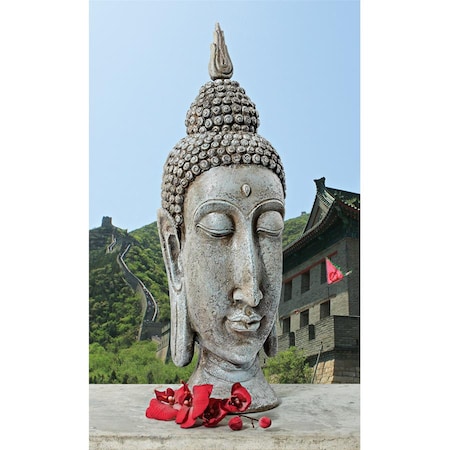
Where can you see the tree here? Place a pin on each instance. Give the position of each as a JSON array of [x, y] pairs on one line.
[[288, 366]]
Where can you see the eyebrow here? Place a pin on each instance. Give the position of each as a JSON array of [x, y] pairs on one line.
[[211, 205], [214, 205], [272, 204]]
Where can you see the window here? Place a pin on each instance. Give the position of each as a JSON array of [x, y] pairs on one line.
[[305, 281], [311, 332], [287, 325], [287, 291], [323, 272], [304, 318], [325, 309]]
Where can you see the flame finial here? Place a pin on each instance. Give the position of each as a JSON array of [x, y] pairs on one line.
[[220, 65]]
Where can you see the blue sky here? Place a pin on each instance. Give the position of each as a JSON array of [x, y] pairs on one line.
[[299, 62]]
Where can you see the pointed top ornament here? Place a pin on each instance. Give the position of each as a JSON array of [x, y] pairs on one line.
[[220, 65], [222, 129]]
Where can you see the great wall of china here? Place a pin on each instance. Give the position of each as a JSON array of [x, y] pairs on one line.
[[148, 328]]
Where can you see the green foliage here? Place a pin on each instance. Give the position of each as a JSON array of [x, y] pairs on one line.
[[293, 229], [114, 309], [135, 364], [288, 366], [145, 260]]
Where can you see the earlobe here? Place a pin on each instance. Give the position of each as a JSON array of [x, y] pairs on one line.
[[271, 344]]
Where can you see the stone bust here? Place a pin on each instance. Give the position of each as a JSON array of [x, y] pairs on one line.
[[220, 228]]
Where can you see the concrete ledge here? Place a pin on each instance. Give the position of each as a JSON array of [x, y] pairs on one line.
[[310, 416]]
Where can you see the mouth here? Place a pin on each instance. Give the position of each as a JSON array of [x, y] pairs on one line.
[[243, 324]]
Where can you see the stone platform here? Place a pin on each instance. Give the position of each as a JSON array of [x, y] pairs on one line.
[[310, 416]]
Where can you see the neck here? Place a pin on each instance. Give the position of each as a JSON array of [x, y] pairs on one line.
[[211, 369], [216, 367]]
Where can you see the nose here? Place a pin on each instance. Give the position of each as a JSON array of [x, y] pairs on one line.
[[247, 272], [245, 296]]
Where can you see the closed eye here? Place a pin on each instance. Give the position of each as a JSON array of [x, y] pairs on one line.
[[270, 223], [216, 225], [274, 233]]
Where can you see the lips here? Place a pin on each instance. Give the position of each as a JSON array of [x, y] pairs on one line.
[[243, 323]]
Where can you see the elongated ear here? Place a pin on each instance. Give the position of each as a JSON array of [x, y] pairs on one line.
[[271, 344], [181, 334], [171, 248]]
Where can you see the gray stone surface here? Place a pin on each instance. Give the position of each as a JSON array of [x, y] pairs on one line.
[[309, 417]]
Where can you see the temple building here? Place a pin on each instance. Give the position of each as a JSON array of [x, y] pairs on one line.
[[316, 316]]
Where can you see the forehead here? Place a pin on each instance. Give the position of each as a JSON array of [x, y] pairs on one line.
[[242, 186]]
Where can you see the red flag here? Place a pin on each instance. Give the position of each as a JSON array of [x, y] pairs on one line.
[[333, 273]]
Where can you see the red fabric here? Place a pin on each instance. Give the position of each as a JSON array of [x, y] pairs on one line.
[[333, 273]]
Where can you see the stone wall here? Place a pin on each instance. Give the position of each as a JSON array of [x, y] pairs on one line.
[[336, 339], [337, 367], [312, 337], [149, 330], [107, 222], [344, 253], [347, 331], [353, 257], [303, 319], [324, 372], [332, 332], [163, 350], [285, 341]]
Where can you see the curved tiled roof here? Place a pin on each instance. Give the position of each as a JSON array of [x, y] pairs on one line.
[[334, 203]]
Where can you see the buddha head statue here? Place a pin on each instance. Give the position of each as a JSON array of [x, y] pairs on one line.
[[220, 227]]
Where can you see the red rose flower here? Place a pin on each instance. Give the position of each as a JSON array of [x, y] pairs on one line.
[[265, 422], [239, 401], [213, 413], [235, 423]]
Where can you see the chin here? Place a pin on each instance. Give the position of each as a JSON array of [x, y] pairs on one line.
[[240, 360], [242, 355]]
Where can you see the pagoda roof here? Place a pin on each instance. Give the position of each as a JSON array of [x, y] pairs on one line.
[[330, 205]]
